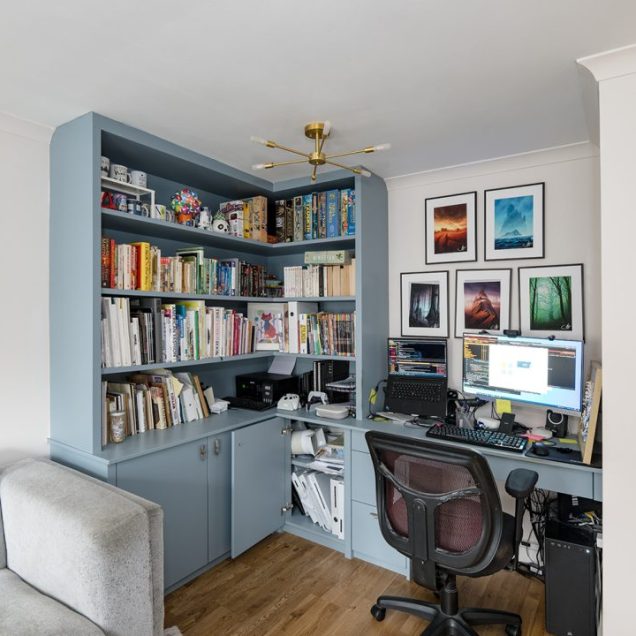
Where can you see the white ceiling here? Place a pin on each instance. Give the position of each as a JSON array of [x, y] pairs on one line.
[[445, 81]]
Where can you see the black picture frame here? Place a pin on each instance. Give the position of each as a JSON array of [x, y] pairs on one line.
[[439, 278], [470, 255], [537, 250]]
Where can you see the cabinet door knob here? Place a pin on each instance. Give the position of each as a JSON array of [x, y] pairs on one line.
[[217, 446], [203, 452]]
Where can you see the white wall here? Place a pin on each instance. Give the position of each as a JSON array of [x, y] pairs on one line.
[[572, 233], [24, 285]]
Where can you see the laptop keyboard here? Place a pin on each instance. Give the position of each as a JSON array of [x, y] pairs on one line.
[[420, 391]]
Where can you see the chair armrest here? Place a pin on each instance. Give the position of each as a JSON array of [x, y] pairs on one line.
[[521, 482]]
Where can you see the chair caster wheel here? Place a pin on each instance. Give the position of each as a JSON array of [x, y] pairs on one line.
[[513, 630], [378, 613]]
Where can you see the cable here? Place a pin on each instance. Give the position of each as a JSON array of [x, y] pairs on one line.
[[537, 506]]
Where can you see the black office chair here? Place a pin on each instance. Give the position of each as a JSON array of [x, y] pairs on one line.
[[438, 504]]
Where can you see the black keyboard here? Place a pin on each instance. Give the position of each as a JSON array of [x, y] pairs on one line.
[[420, 391], [248, 403], [480, 437]]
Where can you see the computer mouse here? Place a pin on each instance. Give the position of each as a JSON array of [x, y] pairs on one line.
[[540, 449]]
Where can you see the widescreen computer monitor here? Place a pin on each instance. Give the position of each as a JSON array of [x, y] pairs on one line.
[[535, 371], [417, 357]]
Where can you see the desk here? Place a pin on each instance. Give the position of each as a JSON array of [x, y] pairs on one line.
[[191, 471], [572, 479]]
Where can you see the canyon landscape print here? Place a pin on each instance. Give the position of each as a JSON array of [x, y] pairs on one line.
[[451, 229]]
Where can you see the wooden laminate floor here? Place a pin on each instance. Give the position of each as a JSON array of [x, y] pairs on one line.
[[286, 585]]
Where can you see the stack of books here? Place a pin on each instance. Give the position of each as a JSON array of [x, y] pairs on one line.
[[152, 400], [320, 281]]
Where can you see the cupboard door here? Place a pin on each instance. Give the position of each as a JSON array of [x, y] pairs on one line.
[[219, 494], [176, 479], [259, 478]]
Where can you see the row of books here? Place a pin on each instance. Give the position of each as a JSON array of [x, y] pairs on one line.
[[153, 400], [130, 266], [317, 215], [320, 280], [144, 331]]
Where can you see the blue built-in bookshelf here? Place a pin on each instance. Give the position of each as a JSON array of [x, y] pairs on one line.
[[78, 223]]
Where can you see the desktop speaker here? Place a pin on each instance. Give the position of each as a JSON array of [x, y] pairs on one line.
[[557, 423]]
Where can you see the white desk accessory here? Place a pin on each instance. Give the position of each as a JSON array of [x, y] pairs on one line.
[[332, 411], [543, 432], [289, 402], [219, 406]]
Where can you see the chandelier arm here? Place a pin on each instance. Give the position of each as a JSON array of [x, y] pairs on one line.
[[347, 154], [296, 152], [313, 173], [340, 165], [275, 164]]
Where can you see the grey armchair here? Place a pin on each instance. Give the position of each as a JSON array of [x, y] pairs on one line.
[[77, 556]]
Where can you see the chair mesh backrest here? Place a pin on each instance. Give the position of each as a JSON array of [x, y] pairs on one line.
[[436, 502], [458, 523]]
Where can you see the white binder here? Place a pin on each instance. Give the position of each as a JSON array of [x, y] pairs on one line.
[[320, 489], [296, 308]]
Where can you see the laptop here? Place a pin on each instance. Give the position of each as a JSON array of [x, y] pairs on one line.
[[417, 379]]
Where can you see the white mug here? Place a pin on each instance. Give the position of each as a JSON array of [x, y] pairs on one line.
[[105, 166], [138, 178], [119, 172]]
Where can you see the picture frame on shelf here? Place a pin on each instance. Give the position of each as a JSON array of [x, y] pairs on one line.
[[482, 300], [551, 301], [424, 303], [451, 228], [269, 324], [514, 222]]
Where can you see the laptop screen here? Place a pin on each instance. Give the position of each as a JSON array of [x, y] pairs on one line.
[[417, 357]]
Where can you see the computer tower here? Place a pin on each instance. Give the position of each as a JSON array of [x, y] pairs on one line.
[[570, 584]]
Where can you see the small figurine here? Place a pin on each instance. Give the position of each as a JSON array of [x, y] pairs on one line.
[[219, 224]]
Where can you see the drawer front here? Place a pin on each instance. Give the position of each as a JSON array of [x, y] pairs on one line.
[[363, 478], [358, 442], [368, 542]]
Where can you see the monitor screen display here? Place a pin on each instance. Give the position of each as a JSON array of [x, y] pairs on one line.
[[531, 370], [417, 357]]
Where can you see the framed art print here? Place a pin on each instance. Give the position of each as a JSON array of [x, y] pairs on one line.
[[424, 301], [514, 222], [451, 235], [551, 301], [482, 300]]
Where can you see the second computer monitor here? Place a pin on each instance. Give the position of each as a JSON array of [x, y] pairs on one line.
[[417, 357]]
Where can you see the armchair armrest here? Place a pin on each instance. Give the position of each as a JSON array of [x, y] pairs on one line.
[[521, 482]]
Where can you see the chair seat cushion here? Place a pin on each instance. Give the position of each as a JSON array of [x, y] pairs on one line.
[[27, 612]]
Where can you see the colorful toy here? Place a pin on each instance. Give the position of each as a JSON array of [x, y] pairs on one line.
[[219, 224], [186, 205]]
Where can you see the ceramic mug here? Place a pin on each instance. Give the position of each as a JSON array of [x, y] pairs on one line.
[[138, 178], [159, 212], [105, 166], [121, 203], [119, 172]]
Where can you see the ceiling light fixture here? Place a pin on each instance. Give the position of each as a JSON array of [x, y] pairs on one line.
[[319, 131]]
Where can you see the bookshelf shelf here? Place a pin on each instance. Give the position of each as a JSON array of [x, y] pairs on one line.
[[106, 371], [107, 291], [114, 220]]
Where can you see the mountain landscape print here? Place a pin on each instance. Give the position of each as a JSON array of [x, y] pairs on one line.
[[514, 222], [482, 305], [451, 228]]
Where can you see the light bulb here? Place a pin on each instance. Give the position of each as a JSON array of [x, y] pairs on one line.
[[364, 173], [381, 147], [258, 166], [258, 140], [326, 129]]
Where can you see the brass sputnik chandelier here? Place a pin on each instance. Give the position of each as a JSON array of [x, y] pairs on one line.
[[318, 131]]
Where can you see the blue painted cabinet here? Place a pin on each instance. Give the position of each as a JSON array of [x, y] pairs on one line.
[[260, 482], [177, 479], [219, 495]]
